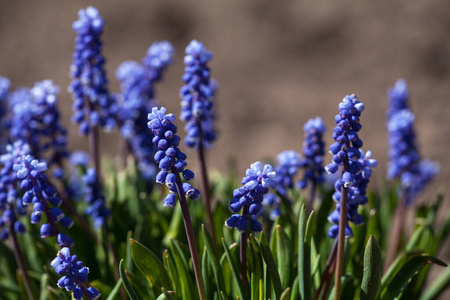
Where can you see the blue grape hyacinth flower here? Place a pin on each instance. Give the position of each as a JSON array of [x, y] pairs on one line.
[[288, 164], [249, 197], [197, 96], [74, 275], [169, 157], [356, 167], [136, 100], [356, 196], [405, 162], [93, 105], [313, 152], [39, 193]]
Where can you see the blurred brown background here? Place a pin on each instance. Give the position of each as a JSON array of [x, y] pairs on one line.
[[278, 63]]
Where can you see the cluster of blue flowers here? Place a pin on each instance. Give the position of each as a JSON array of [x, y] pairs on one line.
[[74, 275], [249, 197], [169, 157], [405, 161], [93, 105], [288, 163], [40, 194], [356, 196], [35, 119], [197, 96], [356, 167], [313, 152], [95, 199], [136, 100], [10, 202], [21, 170]]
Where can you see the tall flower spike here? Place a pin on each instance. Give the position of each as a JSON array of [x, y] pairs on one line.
[[93, 105], [136, 100], [249, 197], [313, 151], [169, 156], [74, 275], [356, 167], [36, 120], [197, 95], [38, 192], [172, 162], [10, 202], [288, 164], [405, 161]]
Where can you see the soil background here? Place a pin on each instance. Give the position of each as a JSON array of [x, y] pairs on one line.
[[278, 64]]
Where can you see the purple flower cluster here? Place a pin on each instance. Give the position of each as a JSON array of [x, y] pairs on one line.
[[170, 159], [288, 164], [11, 203], [74, 275], [405, 161], [93, 105], [36, 120], [136, 100], [313, 152], [95, 199], [356, 196], [249, 197], [40, 194], [197, 96], [356, 167]]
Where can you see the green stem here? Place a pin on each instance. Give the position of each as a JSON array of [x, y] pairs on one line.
[[190, 234], [397, 228], [19, 259], [205, 184]]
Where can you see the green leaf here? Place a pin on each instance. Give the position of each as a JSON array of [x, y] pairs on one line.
[[304, 253], [401, 279], [271, 265], [213, 259], [295, 290], [126, 282], [284, 256], [44, 282], [371, 282], [173, 273], [150, 266], [286, 294], [115, 290], [234, 269], [256, 280], [188, 289], [438, 286]]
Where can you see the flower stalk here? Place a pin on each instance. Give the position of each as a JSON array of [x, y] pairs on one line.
[[190, 234]]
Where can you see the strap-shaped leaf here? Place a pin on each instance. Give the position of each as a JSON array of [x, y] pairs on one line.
[[401, 279], [234, 271], [370, 287], [213, 259], [187, 285], [150, 266], [437, 286], [304, 253], [126, 282], [271, 265], [286, 294], [284, 256]]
